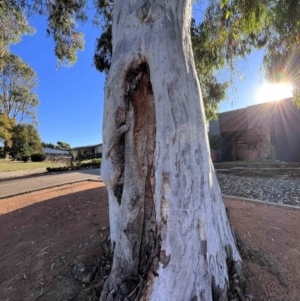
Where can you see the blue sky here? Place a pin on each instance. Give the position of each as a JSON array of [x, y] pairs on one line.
[[71, 99]]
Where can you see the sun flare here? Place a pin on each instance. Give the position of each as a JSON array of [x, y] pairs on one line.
[[273, 92]]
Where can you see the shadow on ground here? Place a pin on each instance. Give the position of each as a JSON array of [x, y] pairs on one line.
[[44, 240]]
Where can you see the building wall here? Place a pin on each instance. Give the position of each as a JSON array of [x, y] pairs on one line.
[[99, 149], [91, 151], [233, 121], [285, 131], [214, 127], [279, 120]]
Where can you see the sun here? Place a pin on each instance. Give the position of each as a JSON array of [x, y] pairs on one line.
[[273, 92]]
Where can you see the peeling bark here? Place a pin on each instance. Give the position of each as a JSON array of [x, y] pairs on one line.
[[172, 238]]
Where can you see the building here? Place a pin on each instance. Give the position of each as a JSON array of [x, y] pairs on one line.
[[88, 151], [269, 130], [56, 154]]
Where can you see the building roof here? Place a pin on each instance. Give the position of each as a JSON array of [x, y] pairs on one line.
[[88, 146], [52, 151]]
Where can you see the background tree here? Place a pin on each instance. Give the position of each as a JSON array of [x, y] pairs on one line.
[[61, 16], [282, 58], [50, 145], [25, 140], [58, 145], [17, 81], [6, 128], [215, 47], [13, 24], [247, 25], [63, 145]]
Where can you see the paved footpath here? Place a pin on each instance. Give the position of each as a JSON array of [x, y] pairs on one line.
[[20, 186]]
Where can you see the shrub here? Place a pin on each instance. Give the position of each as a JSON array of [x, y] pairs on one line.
[[25, 158], [92, 161], [38, 157], [62, 168], [78, 165], [214, 141]]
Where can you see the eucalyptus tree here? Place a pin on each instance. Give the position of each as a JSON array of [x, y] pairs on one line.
[[171, 236], [13, 24], [17, 82]]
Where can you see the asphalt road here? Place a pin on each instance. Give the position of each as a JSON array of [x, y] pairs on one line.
[[20, 186]]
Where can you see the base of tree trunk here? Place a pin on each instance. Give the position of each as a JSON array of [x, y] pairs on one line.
[[94, 276], [132, 289]]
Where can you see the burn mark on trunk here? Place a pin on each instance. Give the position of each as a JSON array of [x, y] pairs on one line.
[[136, 151], [139, 93]]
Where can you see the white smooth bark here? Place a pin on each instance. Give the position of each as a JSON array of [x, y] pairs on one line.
[[186, 228]]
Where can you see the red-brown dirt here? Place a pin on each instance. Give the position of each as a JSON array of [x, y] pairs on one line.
[[44, 234]]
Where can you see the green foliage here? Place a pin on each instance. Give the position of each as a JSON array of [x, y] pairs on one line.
[[6, 126], [90, 164], [214, 141], [61, 17], [25, 153], [59, 145], [63, 145], [17, 80], [49, 145], [208, 61], [248, 25], [228, 32], [74, 156], [25, 136], [103, 18], [103, 52], [57, 169], [38, 157], [25, 157], [13, 24], [94, 163], [281, 61]]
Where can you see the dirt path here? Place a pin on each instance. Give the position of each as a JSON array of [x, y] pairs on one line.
[[44, 234]]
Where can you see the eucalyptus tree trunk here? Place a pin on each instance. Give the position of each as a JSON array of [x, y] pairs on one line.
[[169, 228]]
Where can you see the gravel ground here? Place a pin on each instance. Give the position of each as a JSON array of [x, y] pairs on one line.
[[281, 191], [19, 186]]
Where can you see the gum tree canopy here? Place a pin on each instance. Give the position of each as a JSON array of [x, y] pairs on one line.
[[171, 236]]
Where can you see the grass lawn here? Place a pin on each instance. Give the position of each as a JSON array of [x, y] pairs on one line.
[[6, 165]]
